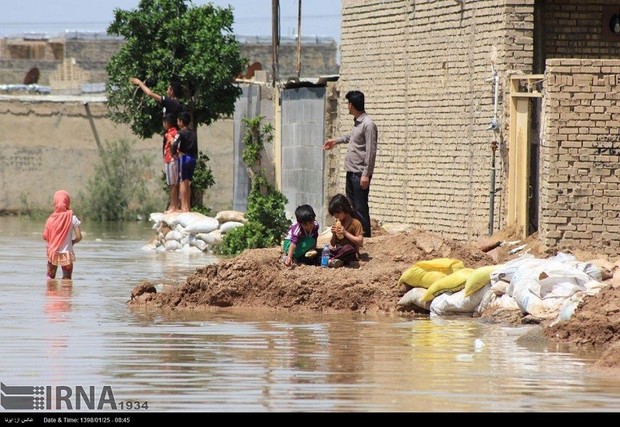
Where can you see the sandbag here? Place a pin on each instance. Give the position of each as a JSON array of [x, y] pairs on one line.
[[451, 283], [173, 235], [203, 225], [445, 265], [188, 218], [414, 298], [417, 277], [229, 225], [212, 238], [156, 217], [226, 216], [172, 245], [479, 278], [457, 302]]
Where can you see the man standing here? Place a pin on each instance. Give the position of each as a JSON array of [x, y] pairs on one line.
[[170, 101], [361, 154]]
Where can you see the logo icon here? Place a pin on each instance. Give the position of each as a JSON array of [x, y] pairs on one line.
[[25, 398]]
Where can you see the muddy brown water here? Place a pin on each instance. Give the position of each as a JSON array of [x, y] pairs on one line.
[[81, 334]]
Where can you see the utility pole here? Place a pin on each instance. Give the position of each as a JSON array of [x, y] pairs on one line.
[[275, 38], [299, 39]]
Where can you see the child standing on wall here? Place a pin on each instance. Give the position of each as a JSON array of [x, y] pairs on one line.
[[171, 163], [301, 237], [60, 228], [347, 233]]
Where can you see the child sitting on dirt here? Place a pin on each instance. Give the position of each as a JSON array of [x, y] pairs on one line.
[[347, 233], [301, 237]]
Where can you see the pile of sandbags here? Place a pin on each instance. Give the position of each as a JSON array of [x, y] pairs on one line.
[[192, 231], [544, 288]]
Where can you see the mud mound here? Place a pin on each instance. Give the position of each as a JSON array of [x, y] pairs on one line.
[[596, 321], [257, 278]]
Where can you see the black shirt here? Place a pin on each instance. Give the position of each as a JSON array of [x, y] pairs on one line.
[[188, 142], [171, 106]]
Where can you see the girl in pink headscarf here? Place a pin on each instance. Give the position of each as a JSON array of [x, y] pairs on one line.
[[59, 231]]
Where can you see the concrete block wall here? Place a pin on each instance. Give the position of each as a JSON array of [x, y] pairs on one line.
[[423, 66], [55, 148], [580, 153]]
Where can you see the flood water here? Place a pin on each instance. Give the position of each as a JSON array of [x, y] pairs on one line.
[[82, 333]]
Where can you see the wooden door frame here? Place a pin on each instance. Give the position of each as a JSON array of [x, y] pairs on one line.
[[522, 89]]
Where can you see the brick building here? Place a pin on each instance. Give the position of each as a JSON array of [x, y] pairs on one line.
[[428, 69]]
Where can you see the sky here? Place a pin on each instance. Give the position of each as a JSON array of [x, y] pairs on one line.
[[252, 17]]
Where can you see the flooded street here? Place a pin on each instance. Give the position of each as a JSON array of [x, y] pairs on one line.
[[81, 333]]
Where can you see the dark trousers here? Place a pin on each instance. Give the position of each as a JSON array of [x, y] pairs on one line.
[[359, 198]]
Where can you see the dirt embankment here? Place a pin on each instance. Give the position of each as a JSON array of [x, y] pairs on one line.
[[257, 278]]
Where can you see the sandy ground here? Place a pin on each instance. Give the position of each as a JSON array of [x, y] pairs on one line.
[[257, 278]]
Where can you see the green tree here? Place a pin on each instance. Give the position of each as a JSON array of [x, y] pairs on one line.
[[170, 40]]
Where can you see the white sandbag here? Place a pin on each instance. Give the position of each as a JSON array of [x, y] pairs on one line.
[[170, 218], [156, 217], [199, 243], [213, 238], [188, 218], [172, 245], [592, 270], [593, 287], [457, 303], [226, 216], [173, 235], [229, 225], [499, 288], [506, 271], [490, 301], [414, 297], [189, 249], [204, 225]]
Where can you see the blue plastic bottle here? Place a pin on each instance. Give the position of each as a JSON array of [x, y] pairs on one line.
[[325, 256]]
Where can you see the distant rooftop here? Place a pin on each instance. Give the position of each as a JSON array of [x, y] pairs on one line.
[[102, 35]]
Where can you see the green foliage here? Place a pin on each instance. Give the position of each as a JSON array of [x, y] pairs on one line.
[[168, 40], [119, 188], [255, 138], [266, 207], [252, 235], [267, 220], [203, 175]]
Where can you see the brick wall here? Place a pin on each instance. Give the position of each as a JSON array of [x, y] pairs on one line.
[[580, 153], [574, 29], [423, 67]]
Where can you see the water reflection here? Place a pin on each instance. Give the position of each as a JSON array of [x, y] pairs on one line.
[[58, 299]]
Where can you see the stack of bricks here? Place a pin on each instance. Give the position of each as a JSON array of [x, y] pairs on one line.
[[68, 78], [580, 155]]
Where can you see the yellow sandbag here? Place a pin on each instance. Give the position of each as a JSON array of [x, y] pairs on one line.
[[420, 278], [445, 265], [453, 283], [479, 279]]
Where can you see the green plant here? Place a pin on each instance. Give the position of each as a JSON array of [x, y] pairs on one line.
[[168, 40], [267, 220], [257, 134], [119, 189]]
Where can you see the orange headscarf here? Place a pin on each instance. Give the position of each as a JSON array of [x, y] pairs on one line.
[[58, 225]]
